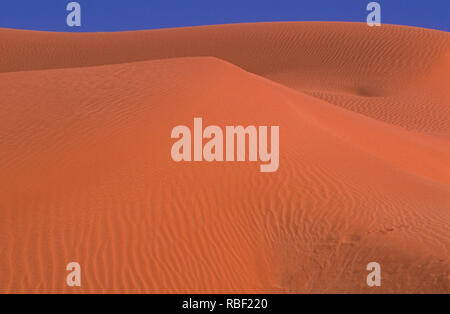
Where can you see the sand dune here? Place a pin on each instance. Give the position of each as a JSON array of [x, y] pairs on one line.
[[85, 123], [373, 71]]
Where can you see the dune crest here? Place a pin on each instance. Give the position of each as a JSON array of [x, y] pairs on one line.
[[382, 72]]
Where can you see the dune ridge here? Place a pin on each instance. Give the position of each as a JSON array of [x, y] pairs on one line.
[[314, 57], [87, 175]]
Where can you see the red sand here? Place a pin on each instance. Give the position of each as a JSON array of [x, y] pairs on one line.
[[85, 122]]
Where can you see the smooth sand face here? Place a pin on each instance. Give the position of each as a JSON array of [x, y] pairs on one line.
[[85, 122]]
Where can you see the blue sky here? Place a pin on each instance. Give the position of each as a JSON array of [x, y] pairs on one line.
[[119, 15]]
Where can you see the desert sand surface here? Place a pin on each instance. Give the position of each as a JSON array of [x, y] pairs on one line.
[[87, 176]]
